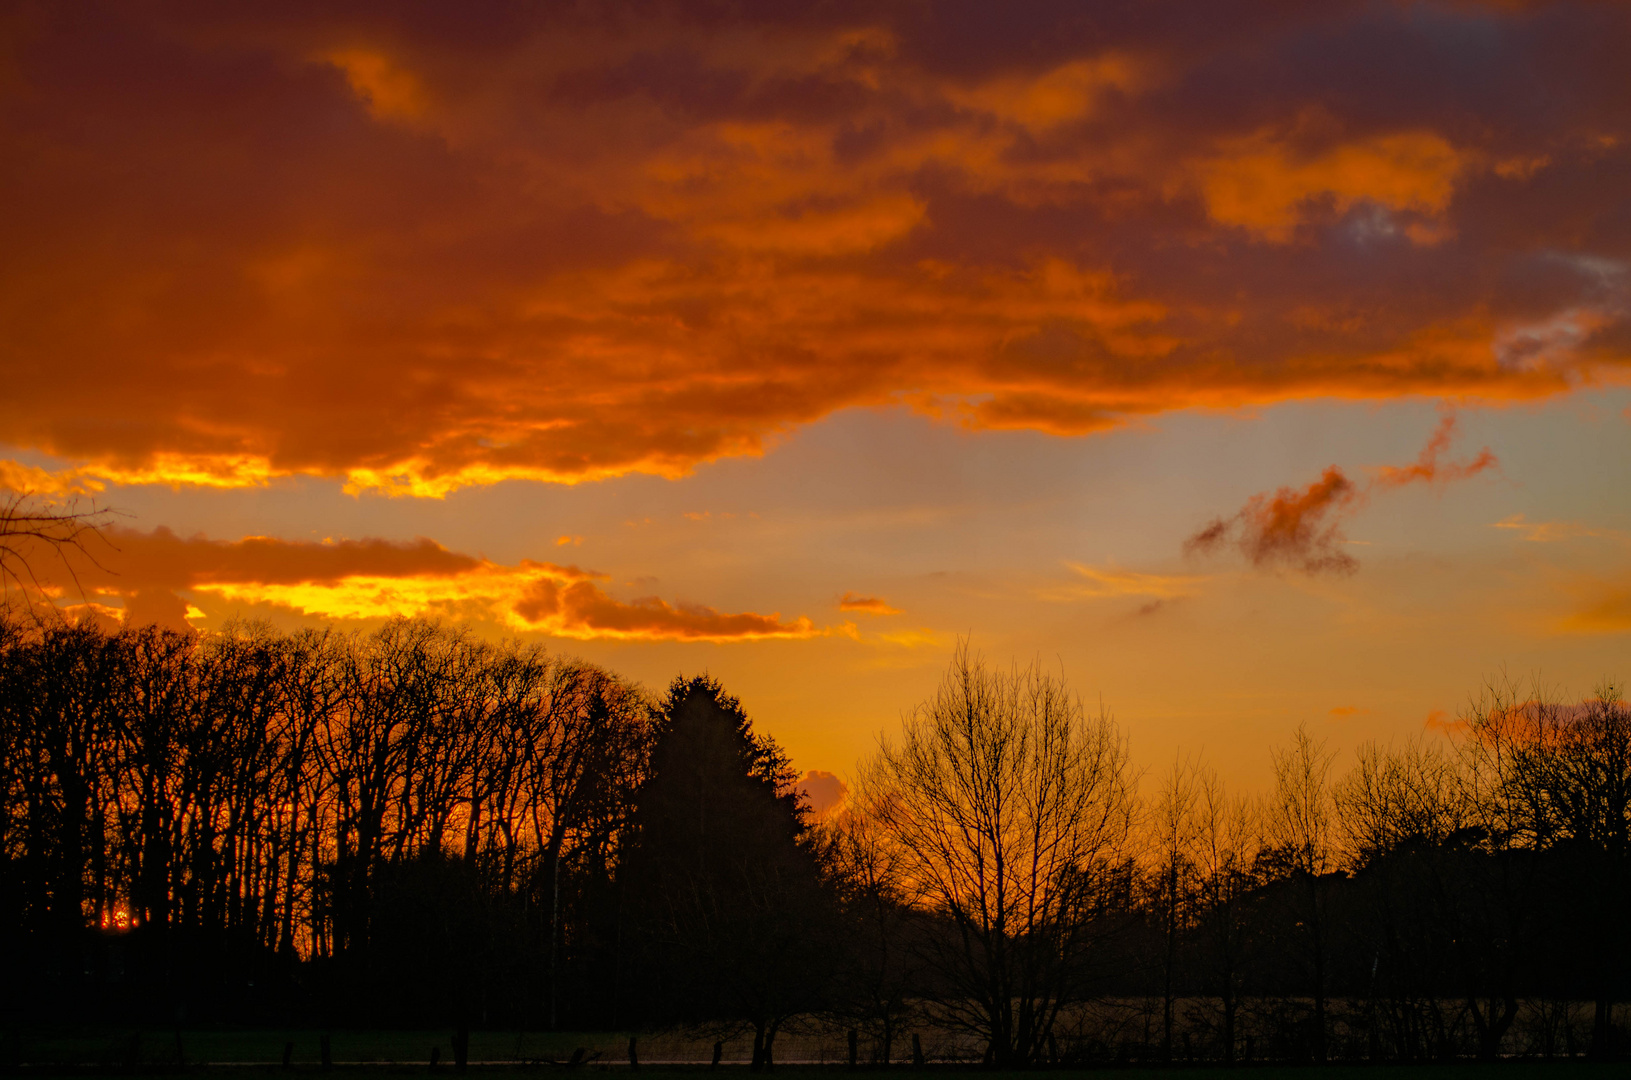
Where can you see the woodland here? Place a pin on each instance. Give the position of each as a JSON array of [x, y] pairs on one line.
[[415, 826]]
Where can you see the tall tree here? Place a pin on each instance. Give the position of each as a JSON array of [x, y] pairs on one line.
[[730, 902]]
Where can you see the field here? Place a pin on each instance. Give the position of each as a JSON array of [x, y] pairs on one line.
[[152, 1052]]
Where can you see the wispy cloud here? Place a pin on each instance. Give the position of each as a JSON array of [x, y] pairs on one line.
[[1545, 532], [870, 605], [1301, 528], [1111, 581]]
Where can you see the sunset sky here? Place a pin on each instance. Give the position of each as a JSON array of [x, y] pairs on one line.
[[1251, 363]]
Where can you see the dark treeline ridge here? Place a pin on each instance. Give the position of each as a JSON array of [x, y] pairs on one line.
[[417, 826]]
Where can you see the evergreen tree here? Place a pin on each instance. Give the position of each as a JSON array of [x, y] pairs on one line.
[[728, 896]]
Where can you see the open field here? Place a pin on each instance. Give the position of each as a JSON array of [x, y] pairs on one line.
[[1460, 1071], [153, 1052]]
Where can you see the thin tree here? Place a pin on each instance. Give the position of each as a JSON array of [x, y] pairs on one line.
[[1176, 832], [1301, 832], [1226, 853]]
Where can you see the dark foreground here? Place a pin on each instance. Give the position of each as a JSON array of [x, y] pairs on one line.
[[1507, 1070]]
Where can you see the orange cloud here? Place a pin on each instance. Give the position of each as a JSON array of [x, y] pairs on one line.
[[389, 89], [1441, 721], [1299, 528], [1262, 184], [1543, 532], [1113, 581], [872, 605], [1302, 528], [824, 791], [1427, 468], [419, 252], [150, 573], [15, 476]]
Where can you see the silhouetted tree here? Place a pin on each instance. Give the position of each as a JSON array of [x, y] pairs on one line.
[[729, 900], [1561, 776], [1302, 850], [1010, 811]]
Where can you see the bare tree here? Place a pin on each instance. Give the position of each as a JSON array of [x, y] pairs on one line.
[[1560, 775], [1301, 836], [880, 973], [1175, 832], [1010, 810], [32, 526], [1226, 851]]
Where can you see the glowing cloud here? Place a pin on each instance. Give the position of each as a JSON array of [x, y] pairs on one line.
[[1114, 581], [871, 605], [1263, 185], [522, 247], [376, 579]]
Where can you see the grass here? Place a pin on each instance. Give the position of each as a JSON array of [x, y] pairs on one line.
[[358, 1054], [1502, 1071]]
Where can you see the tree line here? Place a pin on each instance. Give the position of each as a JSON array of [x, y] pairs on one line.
[[418, 826]]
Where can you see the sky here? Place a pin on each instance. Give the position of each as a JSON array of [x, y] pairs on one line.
[[1250, 364]]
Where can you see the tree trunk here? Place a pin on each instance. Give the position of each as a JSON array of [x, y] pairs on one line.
[[1602, 1029]]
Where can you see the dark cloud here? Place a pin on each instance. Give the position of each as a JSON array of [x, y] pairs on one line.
[[423, 246]]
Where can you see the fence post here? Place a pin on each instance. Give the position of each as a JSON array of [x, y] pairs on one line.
[[461, 1048]]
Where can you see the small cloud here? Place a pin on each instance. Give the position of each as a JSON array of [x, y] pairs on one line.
[[1298, 528], [824, 791], [871, 605], [922, 637], [1429, 469], [566, 541], [1543, 532], [1302, 527], [697, 515], [1343, 712], [1113, 581], [1439, 720]]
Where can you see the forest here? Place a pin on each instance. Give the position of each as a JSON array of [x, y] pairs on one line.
[[418, 826]]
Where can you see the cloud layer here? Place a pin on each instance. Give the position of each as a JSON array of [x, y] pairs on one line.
[[424, 247], [152, 574]]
